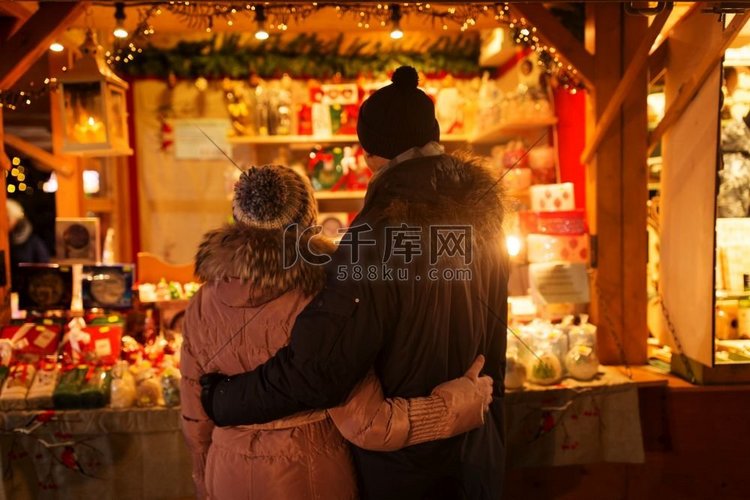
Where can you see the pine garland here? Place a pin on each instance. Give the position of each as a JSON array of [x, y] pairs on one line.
[[304, 56]]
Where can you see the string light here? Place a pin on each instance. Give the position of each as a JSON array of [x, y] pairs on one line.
[[120, 31], [396, 31], [260, 19], [198, 13]]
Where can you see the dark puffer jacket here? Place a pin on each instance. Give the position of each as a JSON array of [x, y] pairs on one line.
[[419, 319]]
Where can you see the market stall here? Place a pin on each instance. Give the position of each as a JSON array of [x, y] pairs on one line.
[[151, 126]]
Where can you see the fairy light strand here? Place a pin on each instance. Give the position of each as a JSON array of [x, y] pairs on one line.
[[206, 16]]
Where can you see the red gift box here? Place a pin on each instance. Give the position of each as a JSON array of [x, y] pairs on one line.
[[32, 342], [97, 344], [552, 197], [549, 248], [553, 223]]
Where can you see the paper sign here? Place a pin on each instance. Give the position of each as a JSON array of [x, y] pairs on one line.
[[190, 143], [45, 337], [559, 283], [102, 347]]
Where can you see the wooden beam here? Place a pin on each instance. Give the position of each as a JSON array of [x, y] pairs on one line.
[[632, 73], [17, 13], [44, 160], [657, 62], [19, 10], [552, 32], [693, 85], [657, 59], [34, 37]]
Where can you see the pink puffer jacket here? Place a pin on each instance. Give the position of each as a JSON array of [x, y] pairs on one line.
[[237, 321]]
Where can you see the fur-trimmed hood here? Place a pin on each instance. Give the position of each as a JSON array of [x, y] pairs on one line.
[[446, 189], [266, 262]]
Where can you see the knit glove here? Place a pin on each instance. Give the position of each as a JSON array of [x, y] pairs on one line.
[[454, 407], [467, 398]]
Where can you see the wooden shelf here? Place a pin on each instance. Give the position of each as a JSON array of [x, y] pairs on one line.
[[340, 201], [340, 195], [98, 205], [271, 140], [509, 130]]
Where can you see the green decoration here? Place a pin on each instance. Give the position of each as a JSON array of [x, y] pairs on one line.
[[304, 56]]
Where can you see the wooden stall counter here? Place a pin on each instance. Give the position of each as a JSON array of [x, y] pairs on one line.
[[140, 452]]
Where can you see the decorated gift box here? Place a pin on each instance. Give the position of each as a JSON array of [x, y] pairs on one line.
[[568, 222], [16, 386], [96, 344], [552, 197], [549, 248], [31, 342]]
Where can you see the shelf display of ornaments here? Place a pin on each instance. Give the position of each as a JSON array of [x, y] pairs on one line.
[[543, 353], [115, 352]]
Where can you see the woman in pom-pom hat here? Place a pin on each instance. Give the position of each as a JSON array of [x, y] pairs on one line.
[[255, 286]]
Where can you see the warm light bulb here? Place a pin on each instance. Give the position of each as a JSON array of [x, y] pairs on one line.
[[513, 244], [397, 33], [260, 18], [56, 47], [120, 32], [91, 121]]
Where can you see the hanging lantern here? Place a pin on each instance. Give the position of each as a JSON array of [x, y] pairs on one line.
[[94, 114]]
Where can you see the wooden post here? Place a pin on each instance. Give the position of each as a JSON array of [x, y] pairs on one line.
[[616, 188], [4, 240], [634, 178]]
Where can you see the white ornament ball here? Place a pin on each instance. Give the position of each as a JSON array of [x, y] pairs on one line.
[[545, 370], [582, 363]]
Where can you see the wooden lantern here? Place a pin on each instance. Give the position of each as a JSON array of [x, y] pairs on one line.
[[93, 104]]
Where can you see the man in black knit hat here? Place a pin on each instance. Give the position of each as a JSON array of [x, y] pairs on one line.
[[417, 289]]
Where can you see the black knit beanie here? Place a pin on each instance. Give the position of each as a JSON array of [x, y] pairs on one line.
[[397, 117]]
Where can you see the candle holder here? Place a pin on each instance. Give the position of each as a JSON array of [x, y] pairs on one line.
[[93, 104]]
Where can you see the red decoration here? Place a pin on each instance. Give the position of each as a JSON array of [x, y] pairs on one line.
[[571, 138], [167, 134]]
